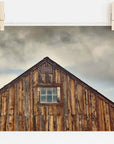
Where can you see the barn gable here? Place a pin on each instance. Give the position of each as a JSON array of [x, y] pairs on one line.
[[78, 106], [46, 66]]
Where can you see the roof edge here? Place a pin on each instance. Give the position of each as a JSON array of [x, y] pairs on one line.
[[24, 73], [62, 69]]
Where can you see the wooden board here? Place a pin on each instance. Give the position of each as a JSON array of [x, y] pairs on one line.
[[78, 107]]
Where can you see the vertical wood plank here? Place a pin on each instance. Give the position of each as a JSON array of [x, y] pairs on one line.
[[0, 102], [94, 118], [20, 106], [35, 77], [7, 117], [54, 75], [42, 123], [51, 123], [97, 112], [4, 103], [3, 115], [35, 107], [3, 123], [31, 101], [87, 108], [69, 102], [74, 123], [37, 122], [58, 95], [77, 106], [101, 116], [20, 98], [59, 123], [55, 122], [11, 101], [57, 72], [89, 111], [80, 105], [65, 100], [84, 119], [27, 103], [42, 118], [111, 109], [73, 106], [46, 119], [50, 110], [0, 108], [15, 107], [11, 108], [11, 123], [20, 123], [80, 99], [106, 116], [16, 97]]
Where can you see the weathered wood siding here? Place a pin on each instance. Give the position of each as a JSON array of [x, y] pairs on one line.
[[79, 108]]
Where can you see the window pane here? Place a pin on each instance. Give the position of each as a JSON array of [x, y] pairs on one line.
[[49, 90], [49, 98], [54, 98], [48, 95], [43, 98], [54, 90], [43, 90]]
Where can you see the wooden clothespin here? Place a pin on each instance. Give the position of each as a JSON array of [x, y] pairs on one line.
[[1, 15], [112, 15]]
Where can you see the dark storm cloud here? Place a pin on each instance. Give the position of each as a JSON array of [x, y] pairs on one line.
[[17, 43], [86, 50]]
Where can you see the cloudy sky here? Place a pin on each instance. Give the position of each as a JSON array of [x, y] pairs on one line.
[[87, 52]]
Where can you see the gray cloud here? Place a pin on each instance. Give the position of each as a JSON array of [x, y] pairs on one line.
[[87, 51]]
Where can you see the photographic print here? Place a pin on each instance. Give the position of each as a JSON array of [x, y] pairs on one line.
[[57, 78]]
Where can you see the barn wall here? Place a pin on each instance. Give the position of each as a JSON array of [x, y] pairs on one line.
[[78, 109]]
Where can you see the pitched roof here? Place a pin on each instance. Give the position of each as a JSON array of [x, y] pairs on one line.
[[63, 70]]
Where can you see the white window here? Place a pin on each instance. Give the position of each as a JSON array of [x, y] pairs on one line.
[[48, 95]]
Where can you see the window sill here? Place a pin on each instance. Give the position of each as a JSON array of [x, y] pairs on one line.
[[48, 104]]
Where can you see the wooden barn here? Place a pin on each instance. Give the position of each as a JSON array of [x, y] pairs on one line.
[[49, 98]]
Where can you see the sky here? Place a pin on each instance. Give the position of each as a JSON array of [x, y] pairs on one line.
[[87, 52]]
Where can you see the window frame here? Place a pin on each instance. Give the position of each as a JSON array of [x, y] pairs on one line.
[[59, 100], [46, 94]]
